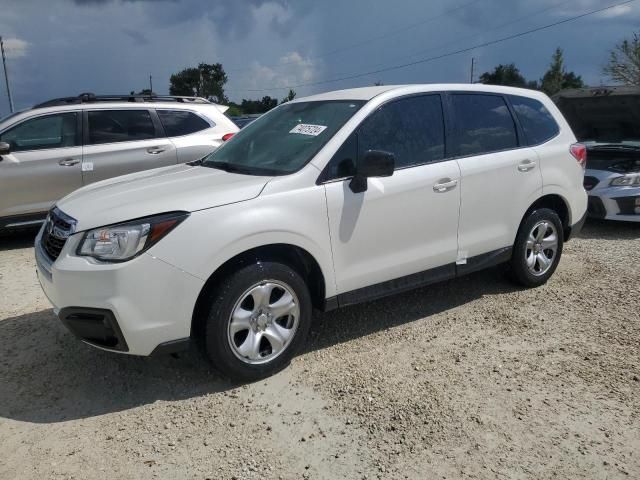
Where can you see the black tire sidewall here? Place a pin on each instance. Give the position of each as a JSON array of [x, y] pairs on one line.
[[519, 269], [224, 299]]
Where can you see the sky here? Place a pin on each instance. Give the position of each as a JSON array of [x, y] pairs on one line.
[[65, 47]]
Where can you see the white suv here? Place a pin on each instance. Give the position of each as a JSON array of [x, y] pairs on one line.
[[325, 201], [58, 146]]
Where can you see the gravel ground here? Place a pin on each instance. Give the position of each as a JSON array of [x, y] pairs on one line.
[[472, 378]]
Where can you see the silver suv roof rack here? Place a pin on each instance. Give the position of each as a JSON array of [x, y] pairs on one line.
[[92, 98]]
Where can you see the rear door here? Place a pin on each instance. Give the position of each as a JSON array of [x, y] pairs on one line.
[[500, 175], [43, 165], [122, 141]]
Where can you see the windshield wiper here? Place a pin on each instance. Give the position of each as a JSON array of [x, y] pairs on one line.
[[231, 168], [241, 169]]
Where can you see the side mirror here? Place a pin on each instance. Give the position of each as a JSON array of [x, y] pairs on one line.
[[375, 163], [4, 148]]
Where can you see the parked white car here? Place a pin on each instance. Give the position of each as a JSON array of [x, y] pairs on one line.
[[58, 146], [323, 202]]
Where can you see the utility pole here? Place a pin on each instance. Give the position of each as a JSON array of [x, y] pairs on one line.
[[473, 64], [150, 84], [6, 75]]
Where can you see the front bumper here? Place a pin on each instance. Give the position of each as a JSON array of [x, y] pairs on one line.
[[611, 203], [615, 203], [133, 307]]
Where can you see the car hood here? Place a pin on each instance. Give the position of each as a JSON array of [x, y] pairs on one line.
[[176, 188], [603, 114]]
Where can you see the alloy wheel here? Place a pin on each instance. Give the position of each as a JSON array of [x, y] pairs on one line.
[[541, 248], [263, 322]]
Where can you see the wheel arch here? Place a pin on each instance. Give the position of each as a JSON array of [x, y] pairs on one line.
[[554, 202], [294, 256]]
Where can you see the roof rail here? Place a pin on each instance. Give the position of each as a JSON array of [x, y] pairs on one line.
[[92, 98]]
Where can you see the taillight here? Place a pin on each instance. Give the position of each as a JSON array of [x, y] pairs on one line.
[[227, 136], [579, 152]]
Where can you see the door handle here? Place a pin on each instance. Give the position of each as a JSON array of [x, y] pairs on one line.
[[445, 185], [527, 165], [68, 162], [155, 150]]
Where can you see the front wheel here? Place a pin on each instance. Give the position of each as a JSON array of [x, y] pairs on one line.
[[538, 248], [258, 320]]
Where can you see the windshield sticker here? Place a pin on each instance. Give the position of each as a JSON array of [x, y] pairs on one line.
[[307, 129]]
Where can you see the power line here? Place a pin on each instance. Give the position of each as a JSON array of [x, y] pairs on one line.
[[449, 54], [492, 29], [388, 34], [500, 26]]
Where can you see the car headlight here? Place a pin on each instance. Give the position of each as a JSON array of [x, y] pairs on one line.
[[626, 181], [124, 241]]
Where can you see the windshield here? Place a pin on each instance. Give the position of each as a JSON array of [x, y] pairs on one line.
[[284, 140]]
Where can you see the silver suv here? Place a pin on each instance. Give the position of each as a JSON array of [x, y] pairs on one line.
[[60, 145]]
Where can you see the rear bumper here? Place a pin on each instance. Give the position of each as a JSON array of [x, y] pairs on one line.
[[576, 228]]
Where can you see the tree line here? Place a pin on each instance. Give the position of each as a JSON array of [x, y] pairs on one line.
[[623, 67], [208, 80]]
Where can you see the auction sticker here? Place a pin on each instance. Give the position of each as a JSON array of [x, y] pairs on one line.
[[307, 129]]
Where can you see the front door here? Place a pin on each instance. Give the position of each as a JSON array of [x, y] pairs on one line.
[[404, 224], [43, 165]]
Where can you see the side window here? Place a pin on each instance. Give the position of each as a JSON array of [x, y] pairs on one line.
[[410, 128], [343, 163], [483, 124], [50, 131], [180, 122], [109, 126], [537, 123]]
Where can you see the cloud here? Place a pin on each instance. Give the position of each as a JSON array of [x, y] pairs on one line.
[[230, 17], [292, 69], [15, 47], [138, 37], [619, 11]]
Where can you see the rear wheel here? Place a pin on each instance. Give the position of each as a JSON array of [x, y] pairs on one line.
[[258, 320], [538, 248]]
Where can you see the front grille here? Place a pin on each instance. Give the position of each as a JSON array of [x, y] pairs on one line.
[[57, 229], [52, 245], [590, 182]]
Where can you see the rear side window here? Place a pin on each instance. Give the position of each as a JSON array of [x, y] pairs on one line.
[[410, 128], [180, 122], [537, 123], [111, 126], [40, 133], [483, 124]]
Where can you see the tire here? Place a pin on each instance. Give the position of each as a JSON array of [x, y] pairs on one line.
[[246, 337], [531, 264]]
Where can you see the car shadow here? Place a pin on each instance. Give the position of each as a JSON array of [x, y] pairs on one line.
[[346, 324], [48, 376], [595, 229], [14, 240]]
